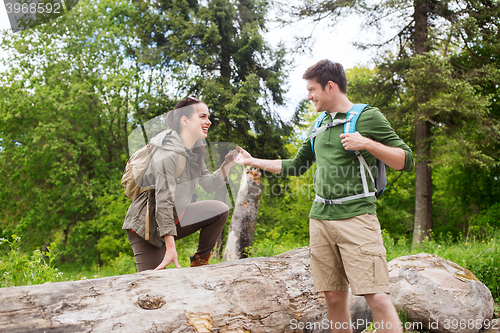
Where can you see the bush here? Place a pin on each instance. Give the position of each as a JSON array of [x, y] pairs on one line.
[[123, 264], [489, 217], [19, 269], [275, 244]]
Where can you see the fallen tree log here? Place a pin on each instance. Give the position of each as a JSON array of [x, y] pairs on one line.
[[249, 295]]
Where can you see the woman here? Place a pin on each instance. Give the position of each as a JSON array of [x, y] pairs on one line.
[[172, 214]]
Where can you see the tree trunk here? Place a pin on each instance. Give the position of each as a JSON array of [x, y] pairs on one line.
[[423, 176], [221, 195], [244, 219], [423, 183], [421, 25], [249, 295]]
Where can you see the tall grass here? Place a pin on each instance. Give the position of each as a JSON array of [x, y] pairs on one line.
[[18, 269]]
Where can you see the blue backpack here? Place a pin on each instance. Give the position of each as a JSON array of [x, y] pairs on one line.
[[380, 179]]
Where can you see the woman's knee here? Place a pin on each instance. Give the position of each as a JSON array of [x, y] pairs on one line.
[[220, 207]]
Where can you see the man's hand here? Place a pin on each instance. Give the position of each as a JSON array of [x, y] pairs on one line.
[[354, 141], [244, 158], [393, 157]]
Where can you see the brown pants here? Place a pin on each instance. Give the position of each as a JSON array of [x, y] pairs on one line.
[[148, 256]]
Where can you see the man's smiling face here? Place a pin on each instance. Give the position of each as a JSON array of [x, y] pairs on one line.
[[320, 97]]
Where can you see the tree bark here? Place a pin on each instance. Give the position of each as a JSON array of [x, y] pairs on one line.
[[420, 16], [423, 177], [221, 195], [249, 295], [423, 183], [244, 219]]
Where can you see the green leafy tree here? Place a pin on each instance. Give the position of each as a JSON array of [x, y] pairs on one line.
[[226, 62], [75, 88], [69, 96]]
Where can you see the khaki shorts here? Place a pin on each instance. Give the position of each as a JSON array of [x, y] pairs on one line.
[[348, 252]]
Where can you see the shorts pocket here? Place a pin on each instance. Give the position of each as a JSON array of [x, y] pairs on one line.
[[373, 249], [375, 254], [380, 271]]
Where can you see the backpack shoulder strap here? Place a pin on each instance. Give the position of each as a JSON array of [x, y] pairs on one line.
[[317, 124], [352, 118]]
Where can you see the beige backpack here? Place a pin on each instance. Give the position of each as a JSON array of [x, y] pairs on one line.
[[136, 168]]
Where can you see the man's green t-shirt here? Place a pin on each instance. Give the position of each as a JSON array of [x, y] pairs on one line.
[[338, 170]]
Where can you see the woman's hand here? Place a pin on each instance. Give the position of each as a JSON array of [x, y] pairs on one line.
[[230, 157], [170, 254], [244, 158], [228, 163]]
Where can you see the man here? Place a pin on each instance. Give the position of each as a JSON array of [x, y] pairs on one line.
[[346, 245]]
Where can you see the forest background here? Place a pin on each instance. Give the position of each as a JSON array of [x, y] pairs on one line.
[[71, 92]]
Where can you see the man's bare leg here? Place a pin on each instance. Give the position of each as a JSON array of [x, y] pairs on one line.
[[384, 313], [338, 311]]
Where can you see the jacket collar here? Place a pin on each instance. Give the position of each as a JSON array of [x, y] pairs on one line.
[[171, 140]]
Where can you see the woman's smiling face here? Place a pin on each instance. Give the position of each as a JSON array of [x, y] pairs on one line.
[[200, 128]]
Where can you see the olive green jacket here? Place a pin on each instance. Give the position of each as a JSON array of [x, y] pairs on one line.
[[170, 196]]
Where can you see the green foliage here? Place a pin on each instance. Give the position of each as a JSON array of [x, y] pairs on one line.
[[123, 264], [225, 61], [269, 248], [20, 269], [103, 70], [395, 206], [274, 241], [64, 121], [489, 218], [285, 207], [101, 240], [113, 239]]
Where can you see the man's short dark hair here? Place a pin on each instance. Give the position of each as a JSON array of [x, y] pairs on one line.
[[326, 70]]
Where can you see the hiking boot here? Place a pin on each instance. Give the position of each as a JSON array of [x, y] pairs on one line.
[[197, 261]]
